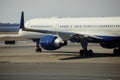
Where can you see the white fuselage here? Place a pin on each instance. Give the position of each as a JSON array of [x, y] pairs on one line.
[[101, 26]]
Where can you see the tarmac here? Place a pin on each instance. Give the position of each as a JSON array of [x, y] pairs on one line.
[[21, 62]]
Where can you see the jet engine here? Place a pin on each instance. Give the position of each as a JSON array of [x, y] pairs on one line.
[[50, 42]]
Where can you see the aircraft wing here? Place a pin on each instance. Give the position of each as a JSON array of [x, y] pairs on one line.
[[10, 37], [65, 35]]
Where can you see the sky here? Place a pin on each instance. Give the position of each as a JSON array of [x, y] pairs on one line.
[[10, 10]]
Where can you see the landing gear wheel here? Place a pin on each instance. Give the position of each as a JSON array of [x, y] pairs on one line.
[[116, 52], [90, 52], [86, 53], [38, 50], [81, 52]]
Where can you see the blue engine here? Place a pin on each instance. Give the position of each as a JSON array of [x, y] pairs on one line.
[[48, 42], [108, 45]]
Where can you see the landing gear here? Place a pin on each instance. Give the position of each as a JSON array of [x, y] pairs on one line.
[[86, 52], [84, 43], [38, 49], [116, 52]]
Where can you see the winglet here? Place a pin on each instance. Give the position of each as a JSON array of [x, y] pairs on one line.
[[22, 21]]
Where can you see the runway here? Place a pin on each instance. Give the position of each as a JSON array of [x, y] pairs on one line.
[[25, 52], [21, 62], [59, 71]]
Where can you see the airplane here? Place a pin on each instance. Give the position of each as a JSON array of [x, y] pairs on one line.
[[54, 33]]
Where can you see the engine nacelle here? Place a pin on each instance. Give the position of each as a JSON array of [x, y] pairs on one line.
[[50, 42], [108, 45]]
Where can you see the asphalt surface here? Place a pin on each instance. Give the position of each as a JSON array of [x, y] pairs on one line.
[[21, 62], [59, 71]]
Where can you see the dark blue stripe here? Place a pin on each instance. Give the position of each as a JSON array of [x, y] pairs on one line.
[[109, 38]]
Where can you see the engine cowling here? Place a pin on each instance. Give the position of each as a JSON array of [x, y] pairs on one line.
[[108, 45], [50, 42]]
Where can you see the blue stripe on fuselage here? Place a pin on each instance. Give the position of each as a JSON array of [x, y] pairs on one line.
[[110, 38]]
